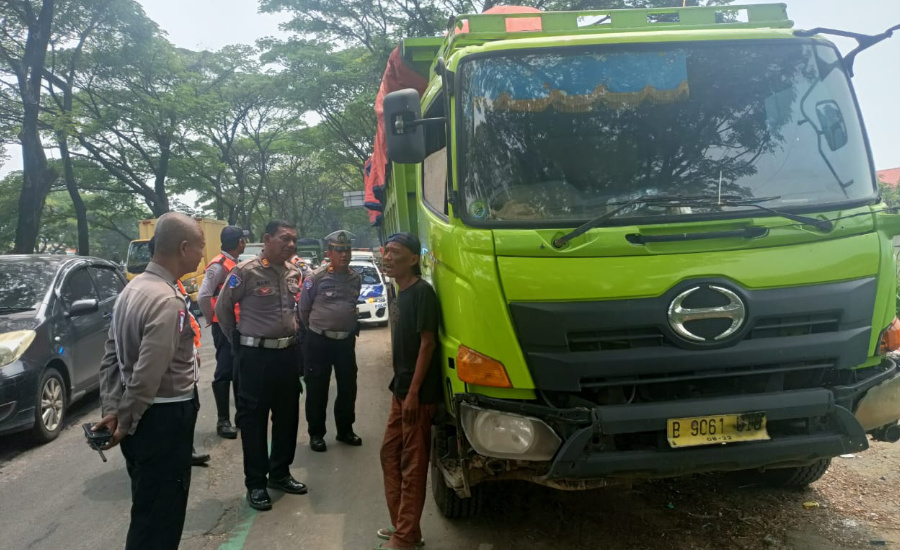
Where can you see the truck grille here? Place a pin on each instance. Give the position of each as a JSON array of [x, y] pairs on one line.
[[800, 333], [770, 327]]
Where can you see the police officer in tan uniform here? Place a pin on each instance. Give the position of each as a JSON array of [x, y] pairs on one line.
[[328, 313], [267, 373], [148, 386]]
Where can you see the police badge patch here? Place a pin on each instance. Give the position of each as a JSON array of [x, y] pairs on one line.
[[234, 281]]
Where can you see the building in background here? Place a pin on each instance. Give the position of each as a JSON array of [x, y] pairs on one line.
[[890, 176]]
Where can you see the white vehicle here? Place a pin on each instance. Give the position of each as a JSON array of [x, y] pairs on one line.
[[252, 250], [372, 305], [360, 255], [363, 255]]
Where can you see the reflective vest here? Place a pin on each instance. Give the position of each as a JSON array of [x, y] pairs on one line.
[[195, 326], [228, 264]]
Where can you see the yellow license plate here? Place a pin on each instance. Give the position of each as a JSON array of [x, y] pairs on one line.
[[716, 429]]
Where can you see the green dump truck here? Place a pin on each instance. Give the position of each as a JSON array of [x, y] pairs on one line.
[[658, 246]]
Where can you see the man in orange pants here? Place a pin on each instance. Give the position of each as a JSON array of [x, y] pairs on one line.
[[416, 389]]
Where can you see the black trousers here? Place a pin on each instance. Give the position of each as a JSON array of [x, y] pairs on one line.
[[268, 381], [158, 460], [224, 357], [320, 354]]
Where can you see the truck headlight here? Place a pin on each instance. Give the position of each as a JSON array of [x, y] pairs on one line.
[[507, 435], [14, 344], [377, 299]]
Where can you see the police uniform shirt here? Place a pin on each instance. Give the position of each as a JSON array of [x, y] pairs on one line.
[[268, 297], [149, 354], [215, 276], [328, 300]]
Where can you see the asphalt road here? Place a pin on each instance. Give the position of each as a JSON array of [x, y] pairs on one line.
[[61, 496]]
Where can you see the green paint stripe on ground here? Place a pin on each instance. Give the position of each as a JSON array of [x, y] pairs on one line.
[[239, 536], [241, 532]]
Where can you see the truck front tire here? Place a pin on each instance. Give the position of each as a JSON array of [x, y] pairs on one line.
[[450, 504], [799, 477]]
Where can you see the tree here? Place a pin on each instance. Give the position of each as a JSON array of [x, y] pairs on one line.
[[25, 35], [890, 194], [236, 142], [132, 106], [63, 66]]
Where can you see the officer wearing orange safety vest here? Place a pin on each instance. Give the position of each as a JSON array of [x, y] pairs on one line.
[[234, 240]]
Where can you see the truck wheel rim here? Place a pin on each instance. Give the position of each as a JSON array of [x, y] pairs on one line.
[[51, 404]]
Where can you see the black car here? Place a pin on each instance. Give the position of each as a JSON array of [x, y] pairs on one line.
[[55, 313]]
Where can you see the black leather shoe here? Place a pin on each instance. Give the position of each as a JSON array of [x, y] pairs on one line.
[[259, 499], [288, 485], [198, 459], [350, 439], [226, 430], [317, 444]]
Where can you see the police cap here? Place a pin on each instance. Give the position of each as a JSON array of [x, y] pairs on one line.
[[231, 235], [339, 240]]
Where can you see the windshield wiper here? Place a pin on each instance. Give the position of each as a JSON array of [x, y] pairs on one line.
[[6, 309], [691, 200], [733, 201], [590, 224]]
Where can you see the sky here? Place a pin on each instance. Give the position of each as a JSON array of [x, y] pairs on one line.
[[212, 24]]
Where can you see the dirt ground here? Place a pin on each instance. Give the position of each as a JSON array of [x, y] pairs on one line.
[[855, 505]]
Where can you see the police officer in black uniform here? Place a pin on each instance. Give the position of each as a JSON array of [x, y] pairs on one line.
[[265, 361], [328, 314]]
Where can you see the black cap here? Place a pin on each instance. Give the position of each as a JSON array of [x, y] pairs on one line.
[[408, 240], [232, 234]]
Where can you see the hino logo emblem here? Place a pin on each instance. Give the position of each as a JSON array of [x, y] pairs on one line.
[[679, 315]]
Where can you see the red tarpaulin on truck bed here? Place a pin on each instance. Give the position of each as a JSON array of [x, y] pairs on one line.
[[397, 76], [400, 75]]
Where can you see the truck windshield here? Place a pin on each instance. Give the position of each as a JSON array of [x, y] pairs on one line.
[[138, 257], [568, 135]]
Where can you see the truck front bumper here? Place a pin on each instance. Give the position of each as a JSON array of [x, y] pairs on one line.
[[838, 433], [629, 441]]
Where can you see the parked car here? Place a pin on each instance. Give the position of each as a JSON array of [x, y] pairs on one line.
[[372, 305], [252, 250], [55, 313]]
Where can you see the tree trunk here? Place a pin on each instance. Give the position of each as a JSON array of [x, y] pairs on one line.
[[159, 185], [38, 176], [84, 243]]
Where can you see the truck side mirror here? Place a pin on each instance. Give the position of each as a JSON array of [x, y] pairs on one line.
[[831, 120], [402, 127]]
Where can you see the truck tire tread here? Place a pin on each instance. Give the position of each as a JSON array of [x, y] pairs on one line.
[[798, 477]]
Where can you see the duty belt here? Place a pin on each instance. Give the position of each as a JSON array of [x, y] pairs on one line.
[[270, 343], [332, 334]]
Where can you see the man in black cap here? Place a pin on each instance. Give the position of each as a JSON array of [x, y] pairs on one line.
[[234, 240], [416, 389], [328, 314]]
